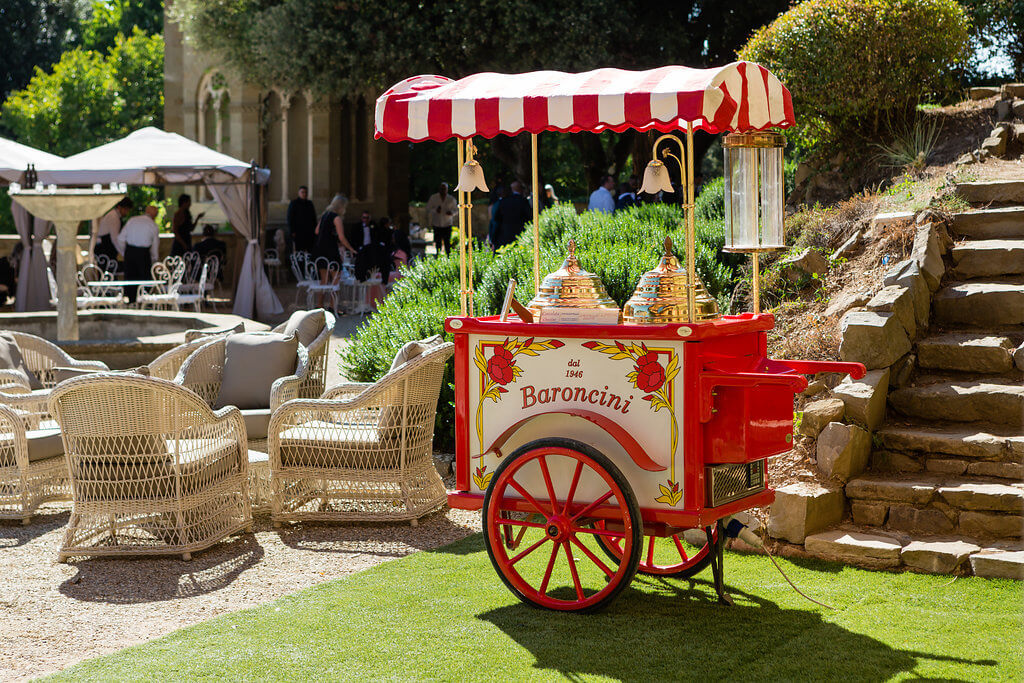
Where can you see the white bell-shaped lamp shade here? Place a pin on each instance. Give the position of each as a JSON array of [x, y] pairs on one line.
[[471, 177], [656, 178], [754, 188]]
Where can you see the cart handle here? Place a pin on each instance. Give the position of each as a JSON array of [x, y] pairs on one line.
[[624, 438], [811, 367], [710, 380]]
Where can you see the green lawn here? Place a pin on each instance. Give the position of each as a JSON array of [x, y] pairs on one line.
[[445, 615]]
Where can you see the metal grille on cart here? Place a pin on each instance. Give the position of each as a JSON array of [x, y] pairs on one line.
[[727, 483]]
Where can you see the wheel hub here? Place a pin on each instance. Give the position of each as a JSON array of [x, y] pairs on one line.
[[557, 529]]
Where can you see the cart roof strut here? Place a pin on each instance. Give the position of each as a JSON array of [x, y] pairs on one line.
[[741, 96]]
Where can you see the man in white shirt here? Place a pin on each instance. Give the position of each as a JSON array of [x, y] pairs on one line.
[[139, 241], [441, 213], [109, 228], [602, 198]]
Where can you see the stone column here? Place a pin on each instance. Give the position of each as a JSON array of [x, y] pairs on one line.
[[286, 103], [67, 280]]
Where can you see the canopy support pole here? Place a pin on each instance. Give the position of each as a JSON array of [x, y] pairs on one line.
[[536, 214], [691, 231], [757, 282], [461, 150]]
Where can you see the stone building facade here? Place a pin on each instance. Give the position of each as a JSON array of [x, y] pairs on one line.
[[326, 145]]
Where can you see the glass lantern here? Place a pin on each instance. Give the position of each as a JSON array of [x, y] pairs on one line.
[[754, 192]]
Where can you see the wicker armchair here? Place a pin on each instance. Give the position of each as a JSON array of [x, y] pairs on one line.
[[32, 466], [203, 372], [153, 469], [364, 451], [316, 379], [167, 364], [42, 357]]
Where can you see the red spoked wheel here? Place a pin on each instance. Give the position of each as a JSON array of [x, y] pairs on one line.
[[667, 555], [540, 530]]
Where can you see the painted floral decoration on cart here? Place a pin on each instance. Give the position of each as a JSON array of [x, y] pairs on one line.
[[496, 372], [655, 380]]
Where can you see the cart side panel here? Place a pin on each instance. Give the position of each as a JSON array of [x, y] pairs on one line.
[[637, 384]]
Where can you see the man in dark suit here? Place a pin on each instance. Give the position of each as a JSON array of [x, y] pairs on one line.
[[302, 221], [512, 214]]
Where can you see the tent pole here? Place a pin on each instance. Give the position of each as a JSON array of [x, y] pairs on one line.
[[461, 150], [536, 214], [691, 265]]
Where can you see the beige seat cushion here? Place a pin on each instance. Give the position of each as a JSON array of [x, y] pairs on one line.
[[331, 445], [44, 444], [306, 325], [203, 463], [11, 359], [257, 421], [253, 361]]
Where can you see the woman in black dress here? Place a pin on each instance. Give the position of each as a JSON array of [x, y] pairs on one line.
[[330, 236]]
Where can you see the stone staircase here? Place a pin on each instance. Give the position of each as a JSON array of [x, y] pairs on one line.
[[943, 491]]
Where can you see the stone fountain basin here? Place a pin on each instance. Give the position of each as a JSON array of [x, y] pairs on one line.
[[123, 339]]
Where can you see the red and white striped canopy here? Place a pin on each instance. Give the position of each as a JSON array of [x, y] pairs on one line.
[[742, 96]]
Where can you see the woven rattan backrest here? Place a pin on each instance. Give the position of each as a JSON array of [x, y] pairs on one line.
[[41, 356], [167, 364]]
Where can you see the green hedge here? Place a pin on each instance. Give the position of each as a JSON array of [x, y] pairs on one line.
[[618, 247], [855, 66]]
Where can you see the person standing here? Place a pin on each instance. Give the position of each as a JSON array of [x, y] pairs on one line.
[[139, 241], [602, 198], [512, 215], [110, 228], [182, 224], [626, 198], [441, 209], [302, 221]]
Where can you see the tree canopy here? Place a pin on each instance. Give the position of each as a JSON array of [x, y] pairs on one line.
[[333, 47], [89, 98], [33, 33]]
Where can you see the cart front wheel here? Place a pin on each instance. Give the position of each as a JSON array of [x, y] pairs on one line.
[[667, 556], [541, 532]]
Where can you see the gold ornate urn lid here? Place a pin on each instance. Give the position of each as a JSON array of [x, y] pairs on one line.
[[571, 287], [660, 296]]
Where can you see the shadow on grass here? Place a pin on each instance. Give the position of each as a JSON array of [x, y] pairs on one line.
[[13, 533], [134, 580], [670, 629]]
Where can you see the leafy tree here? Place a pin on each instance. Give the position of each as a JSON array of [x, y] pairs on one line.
[[106, 19], [335, 47], [999, 24], [33, 33], [90, 98]]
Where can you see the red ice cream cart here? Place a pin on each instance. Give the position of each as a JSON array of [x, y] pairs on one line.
[[597, 450]]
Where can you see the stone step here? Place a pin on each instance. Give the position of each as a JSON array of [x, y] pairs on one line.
[[902, 462], [985, 258], [1006, 222], [932, 554], [963, 401], [966, 352], [928, 503], [980, 303], [988, 443], [992, 192]]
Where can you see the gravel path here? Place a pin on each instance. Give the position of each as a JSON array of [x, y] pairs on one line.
[[53, 615]]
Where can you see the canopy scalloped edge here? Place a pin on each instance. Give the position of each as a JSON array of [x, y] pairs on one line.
[[741, 96]]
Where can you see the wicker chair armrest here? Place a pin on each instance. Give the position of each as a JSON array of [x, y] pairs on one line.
[[285, 389], [233, 415], [87, 365], [14, 382], [292, 412], [11, 422], [346, 390], [31, 403]]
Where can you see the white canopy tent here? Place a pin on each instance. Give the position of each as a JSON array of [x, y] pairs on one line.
[[151, 156], [33, 290]]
